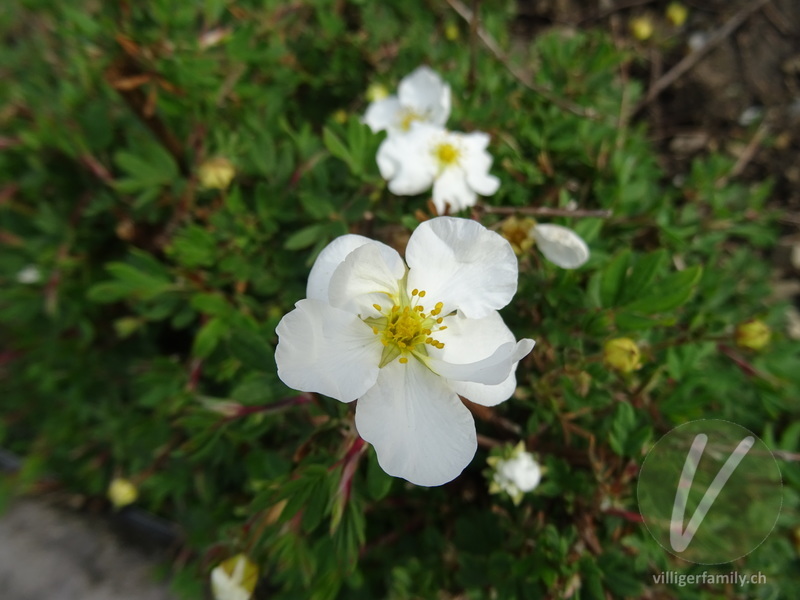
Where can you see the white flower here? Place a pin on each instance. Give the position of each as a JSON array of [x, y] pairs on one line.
[[234, 579], [29, 275], [407, 340], [421, 96], [455, 164], [516, 475], [561, 246]]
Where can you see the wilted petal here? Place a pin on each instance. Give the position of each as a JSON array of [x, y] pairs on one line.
[[451, 188], [420, 429], [326, 350], [383, 114], [366, 271], [463, 265], [561, 246], [424, 92]]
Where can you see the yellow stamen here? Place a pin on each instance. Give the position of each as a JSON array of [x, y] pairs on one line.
[[403, 360]]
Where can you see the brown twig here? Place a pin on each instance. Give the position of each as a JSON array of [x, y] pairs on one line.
[[544, 211], [746, 156], [493, 47], [692, 59]]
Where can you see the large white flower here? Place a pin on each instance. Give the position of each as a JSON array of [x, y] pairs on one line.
[[455, 164], [407, 340], [421, 96]]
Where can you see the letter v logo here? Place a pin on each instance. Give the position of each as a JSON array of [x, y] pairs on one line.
[[680, 539]]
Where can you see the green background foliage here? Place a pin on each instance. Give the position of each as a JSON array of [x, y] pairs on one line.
[[146, 350]]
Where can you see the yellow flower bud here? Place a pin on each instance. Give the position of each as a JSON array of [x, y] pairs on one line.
[[376, 92], [216, 173], [677, 13], [641, 28], [752, 334], [234, 578], [622, 354], [451, 31], [122, 492], [340, 116], [518, 233]]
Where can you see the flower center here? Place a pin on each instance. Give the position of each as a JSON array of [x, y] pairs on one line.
[[408, 116], [447, 154], [406, 328]]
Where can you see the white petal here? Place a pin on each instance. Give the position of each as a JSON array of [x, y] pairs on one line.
[[326, 350], [420, 429], [328, 260], [405, 163], [224, 588], [492, 370], [561, 246], [463, 265], [383, 114], [424, 92], [367, 270], [470, 340], [451, 188]]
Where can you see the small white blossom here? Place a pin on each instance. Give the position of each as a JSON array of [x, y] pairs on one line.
[[407, 338], [560, 245], [29, 275], [422, 96], [455, 164], [234, 579], [515, 475]]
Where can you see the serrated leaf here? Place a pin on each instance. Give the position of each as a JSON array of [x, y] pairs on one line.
[[337, 148]]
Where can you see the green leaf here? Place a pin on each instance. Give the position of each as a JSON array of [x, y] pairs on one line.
[[643, 273], [252, 349], [670, 293], [305, 237], [337, 148], [209, 337], [612, 279], [622, 425], [378, 482]]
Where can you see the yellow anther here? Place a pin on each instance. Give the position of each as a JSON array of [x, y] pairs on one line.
[[429, 340], [375, 330], [395, 308], [419, 308], [422, 294], [403, 360], [377, 307], [440, 319], [414, 292], [439, 306], [443, 327], [439, 345]]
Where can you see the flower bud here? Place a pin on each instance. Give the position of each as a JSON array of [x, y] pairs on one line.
[[515, 473], [451, 31], [641, 28], [753, 334], [216, 173], [622, 354], [340, 116], [376, 92], [29, 275], [122, 492], [677, 13], [234, 578]]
